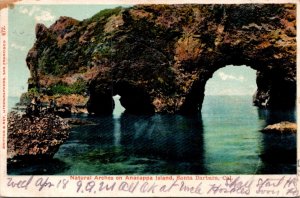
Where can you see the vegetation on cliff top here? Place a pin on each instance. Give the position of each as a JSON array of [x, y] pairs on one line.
[[103, 14], [66, 49]]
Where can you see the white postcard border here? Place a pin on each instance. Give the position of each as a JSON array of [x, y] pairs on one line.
[[66, 186]]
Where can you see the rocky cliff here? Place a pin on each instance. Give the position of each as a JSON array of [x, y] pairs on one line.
[[158, 58]]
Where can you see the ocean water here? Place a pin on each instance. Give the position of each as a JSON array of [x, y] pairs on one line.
[[224, 138], [11, 102]]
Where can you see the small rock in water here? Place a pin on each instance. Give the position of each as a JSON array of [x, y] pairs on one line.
[[282, 127]]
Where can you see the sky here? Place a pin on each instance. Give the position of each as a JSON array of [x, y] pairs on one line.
[[230, 80]]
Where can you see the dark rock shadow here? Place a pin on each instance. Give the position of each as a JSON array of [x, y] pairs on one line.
[[274, 116], [279, 151], [175, 141], [37, 167]]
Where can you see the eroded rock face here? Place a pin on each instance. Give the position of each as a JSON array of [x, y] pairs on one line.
[[163, 55], [35, 137]]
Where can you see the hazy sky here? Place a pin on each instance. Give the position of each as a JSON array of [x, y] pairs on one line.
[[232, 80], [23, 18]]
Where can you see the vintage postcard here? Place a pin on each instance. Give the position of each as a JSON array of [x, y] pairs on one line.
[[149, 98]]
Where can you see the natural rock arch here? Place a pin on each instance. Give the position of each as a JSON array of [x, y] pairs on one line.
[[242, 35], [163, 55], [273, 91]]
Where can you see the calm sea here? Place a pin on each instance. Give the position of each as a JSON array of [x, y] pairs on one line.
[[223, 139], [12, 101]]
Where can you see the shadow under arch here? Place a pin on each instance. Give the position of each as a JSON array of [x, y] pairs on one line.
[[173, 143], [133, 98]]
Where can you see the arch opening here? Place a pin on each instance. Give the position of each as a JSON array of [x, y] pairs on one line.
[[225, 80], [275, 88], [127, 96], [119, 109], [232, 80], [134, 99]]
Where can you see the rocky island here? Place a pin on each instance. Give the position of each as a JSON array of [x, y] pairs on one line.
[[281, 128], [158, 58]]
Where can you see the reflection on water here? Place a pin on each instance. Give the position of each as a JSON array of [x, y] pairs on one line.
[[176, 140], [224, 140], [278, 154], [147, 145], [130, 144]]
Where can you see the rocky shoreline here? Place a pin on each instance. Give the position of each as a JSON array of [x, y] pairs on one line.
[[35, 137]]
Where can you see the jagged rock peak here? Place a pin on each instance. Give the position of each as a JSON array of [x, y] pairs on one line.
[[40, 30], [62, 23]]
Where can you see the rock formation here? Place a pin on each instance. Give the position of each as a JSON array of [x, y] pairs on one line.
[[35, 137], [158, 58], [282, 127]]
